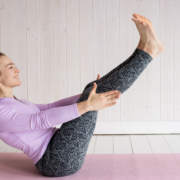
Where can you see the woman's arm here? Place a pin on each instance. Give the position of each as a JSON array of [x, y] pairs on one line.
[[13, 120], [62, 102]]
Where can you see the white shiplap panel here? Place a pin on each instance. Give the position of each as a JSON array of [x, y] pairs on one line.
[[137, 127], [113, 50], [33, 51], [2, 143], [158, 144], [173, 142], [104, 144], [92, 145], [176, 59], [166, 32], [140, 109], [19, 46], [19, 151], [140, 144], [59, 46], [126, 50], [6, 29], [73, 62], [7, 148], [86, 43], [122, 144], [46, 50], [153, 70], [99, 51]]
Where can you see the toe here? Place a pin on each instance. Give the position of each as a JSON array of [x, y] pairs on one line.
[[144, 23], [147, 20], [135, 19], [136, 15]]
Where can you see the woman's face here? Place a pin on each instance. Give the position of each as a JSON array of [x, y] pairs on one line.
[[8, 73]]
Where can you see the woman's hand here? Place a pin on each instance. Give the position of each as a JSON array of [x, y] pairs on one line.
[[98, 77], [100, 101]]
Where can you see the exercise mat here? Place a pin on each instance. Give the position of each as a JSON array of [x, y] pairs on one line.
[[16, 166]]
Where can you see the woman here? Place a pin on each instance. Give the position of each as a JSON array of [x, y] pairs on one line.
[[66, 148]]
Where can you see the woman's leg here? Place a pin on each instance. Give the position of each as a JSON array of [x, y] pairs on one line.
[[112, 71], [123, 76], [67, 149]]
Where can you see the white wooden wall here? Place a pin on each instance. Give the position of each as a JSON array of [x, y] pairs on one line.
[[61, 45]]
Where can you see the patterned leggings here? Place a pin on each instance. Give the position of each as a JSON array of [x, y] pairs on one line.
[[68, 146]]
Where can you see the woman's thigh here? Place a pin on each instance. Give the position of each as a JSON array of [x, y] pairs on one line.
[[67, 151], [67, 148]]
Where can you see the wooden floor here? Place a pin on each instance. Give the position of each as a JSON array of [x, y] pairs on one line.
[[124, 144]]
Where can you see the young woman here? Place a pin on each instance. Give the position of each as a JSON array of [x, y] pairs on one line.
[[61, 151]]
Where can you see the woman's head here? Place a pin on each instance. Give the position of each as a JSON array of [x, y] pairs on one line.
[[8, 73]]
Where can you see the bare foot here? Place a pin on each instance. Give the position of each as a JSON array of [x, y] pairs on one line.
[[150, 42]]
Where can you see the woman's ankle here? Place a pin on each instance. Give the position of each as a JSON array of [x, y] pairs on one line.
[[148, 50], [139, 45]]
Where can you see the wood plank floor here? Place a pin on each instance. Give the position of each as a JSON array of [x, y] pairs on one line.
[[124, 144]]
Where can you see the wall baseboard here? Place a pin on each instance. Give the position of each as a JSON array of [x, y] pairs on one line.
[[129, 127], [138, 127]]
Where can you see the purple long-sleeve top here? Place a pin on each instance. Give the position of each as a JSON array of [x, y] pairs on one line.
[[29, 127]]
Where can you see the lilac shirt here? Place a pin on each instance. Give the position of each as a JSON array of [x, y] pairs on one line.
[[29, 127]]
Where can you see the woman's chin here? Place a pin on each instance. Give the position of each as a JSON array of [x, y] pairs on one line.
[[18, 83]]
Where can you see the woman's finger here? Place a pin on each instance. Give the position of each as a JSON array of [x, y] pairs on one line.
[[110, 93], [98, 77]]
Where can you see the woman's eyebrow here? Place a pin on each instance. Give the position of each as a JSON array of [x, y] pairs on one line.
[[9, 64]]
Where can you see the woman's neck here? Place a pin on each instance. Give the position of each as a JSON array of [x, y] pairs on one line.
[[8, 96]]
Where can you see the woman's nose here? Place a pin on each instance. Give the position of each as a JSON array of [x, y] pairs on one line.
[[17, 70]]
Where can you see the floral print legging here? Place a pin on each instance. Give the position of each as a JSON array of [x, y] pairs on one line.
[[68, 146]]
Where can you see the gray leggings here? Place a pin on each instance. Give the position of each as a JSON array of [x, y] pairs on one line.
[[68, 146]]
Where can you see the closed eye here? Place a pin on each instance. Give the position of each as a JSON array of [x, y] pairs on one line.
[[11, 67]]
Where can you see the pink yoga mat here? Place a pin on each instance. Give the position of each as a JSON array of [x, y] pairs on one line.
[[17, 166]]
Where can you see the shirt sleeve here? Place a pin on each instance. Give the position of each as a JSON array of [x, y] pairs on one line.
[[62, 102], [14, 121]]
